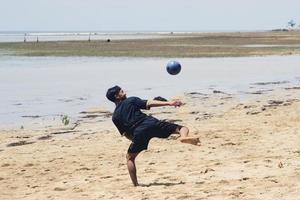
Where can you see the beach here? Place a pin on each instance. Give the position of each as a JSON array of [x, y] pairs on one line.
[[241, 95], [84, 85], [249, 150]]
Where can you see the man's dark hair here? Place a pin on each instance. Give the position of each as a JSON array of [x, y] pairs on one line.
[[112, 92]]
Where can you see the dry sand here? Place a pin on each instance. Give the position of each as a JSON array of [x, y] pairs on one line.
[[250, 149]]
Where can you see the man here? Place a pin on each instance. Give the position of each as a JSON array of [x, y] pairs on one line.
[[139, 127]]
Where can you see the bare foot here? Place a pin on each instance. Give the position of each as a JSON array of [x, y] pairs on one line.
[[190, 140]]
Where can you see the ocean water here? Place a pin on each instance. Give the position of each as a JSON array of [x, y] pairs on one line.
[[53, 86]]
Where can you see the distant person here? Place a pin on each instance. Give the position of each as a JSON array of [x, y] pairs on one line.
[[139, 127]]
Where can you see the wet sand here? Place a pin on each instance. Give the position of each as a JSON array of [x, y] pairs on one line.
[[249, 150]]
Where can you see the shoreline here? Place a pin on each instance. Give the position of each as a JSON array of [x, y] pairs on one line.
[[199, 75], [37, 121], [228, 44]]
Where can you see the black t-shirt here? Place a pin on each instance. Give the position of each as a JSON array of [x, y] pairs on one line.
[[127, 114]]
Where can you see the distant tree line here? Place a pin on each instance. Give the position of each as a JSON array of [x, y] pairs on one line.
[[291, 24]]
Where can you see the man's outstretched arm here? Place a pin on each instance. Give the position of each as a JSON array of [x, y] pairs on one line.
[[155, 103]]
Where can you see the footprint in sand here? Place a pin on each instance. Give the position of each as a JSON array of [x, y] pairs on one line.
[[29, 165], [76, 189], [274, 180], [105, 177], [236, 194], [224, 182], [244, 179], [60, 189], [208, 170], [280, 165], [185, 196], [83, 168]]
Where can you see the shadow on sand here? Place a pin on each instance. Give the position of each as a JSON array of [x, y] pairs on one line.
[[161, 184]]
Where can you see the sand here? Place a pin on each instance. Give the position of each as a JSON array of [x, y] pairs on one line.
[[250, 149]]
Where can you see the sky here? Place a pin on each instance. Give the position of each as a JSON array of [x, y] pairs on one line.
[[151, 15]]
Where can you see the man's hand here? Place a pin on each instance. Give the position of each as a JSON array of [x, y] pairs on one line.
[[176, 103]]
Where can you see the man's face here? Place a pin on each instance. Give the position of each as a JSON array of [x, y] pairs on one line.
[[121, 95]]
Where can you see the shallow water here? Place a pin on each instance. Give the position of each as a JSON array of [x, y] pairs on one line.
[[51, 86]]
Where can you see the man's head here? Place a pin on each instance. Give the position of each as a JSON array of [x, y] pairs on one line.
[[115, 94]]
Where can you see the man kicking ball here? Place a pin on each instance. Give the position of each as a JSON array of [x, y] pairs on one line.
[[139, 127]]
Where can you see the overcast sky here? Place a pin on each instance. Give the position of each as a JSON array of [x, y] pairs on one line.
[[151, 15]]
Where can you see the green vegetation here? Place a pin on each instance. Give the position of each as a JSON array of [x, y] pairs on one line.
[[65, 120], [176, 45]]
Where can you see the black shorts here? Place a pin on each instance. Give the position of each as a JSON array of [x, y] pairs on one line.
[[148, 129]]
